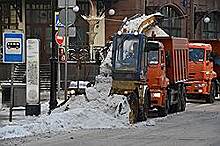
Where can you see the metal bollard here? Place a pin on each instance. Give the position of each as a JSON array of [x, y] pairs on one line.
[[0, 97]]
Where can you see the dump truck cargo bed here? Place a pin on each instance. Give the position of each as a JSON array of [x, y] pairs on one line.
[[176, 58]]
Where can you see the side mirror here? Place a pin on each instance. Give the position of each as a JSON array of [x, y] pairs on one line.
[[168, 59], [212, 56], [162, 66], [211, 59], [145, 70]]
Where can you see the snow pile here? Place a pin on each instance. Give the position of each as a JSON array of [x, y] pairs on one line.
[[61, 121], [105, 68]]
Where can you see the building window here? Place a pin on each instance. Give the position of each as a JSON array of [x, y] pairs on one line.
[[172, 21], [211, 30], [38, 25], [8, 17]]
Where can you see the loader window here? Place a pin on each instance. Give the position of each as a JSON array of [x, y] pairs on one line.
[[126, 54], [153, 57], [196, 54]]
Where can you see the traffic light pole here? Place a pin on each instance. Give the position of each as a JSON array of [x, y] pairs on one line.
[[53, 61]]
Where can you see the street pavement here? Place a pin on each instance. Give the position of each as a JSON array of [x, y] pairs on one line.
[[199, 125]]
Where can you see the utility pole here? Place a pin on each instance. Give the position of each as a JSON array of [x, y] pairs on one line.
[[66, 49], [53, 61]]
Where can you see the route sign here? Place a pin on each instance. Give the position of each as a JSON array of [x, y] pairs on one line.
[[13, 47]]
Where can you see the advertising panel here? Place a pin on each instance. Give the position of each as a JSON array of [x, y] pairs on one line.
[[32, 71]]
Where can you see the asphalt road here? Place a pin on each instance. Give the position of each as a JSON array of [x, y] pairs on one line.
[[199, 125]]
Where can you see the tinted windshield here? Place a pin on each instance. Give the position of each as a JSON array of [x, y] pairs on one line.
[[153, 57], [196, 54], [126, 53]]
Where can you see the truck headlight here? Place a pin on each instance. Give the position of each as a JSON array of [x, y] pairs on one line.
[[125, 92], [119, 32], [200, 85], [71, 92], [156, 94]]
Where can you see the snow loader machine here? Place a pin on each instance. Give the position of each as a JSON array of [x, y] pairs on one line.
[[129, 64], [149, 67]]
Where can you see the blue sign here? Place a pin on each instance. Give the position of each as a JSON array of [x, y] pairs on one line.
[[58, 24], [13, 47]]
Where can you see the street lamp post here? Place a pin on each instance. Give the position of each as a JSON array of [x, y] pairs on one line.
[[198, 16], [53, 61]]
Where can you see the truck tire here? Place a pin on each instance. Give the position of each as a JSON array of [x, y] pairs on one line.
[[211, 96], [171, 108], [163, 111], [178, 106], [183, 99]]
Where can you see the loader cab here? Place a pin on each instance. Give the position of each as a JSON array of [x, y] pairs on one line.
[[128, 57]]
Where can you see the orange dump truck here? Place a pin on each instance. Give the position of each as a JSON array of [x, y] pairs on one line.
[[204, 62], [166, 73]]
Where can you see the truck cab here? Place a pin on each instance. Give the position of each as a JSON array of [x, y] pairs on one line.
[[201, 74], [166, 73], [156, 76]]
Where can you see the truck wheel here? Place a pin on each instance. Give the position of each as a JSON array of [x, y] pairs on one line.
[[134, 106], [178, 106], [211, 96], [163, 111], [183, 99]]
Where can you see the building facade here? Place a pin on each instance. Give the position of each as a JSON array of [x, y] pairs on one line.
[[183, 18], [197, 19]]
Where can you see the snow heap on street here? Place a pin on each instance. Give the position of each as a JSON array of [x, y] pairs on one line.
[[101, 111]]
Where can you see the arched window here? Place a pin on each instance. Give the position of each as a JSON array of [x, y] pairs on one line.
[[211, 29], [172, 21]]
